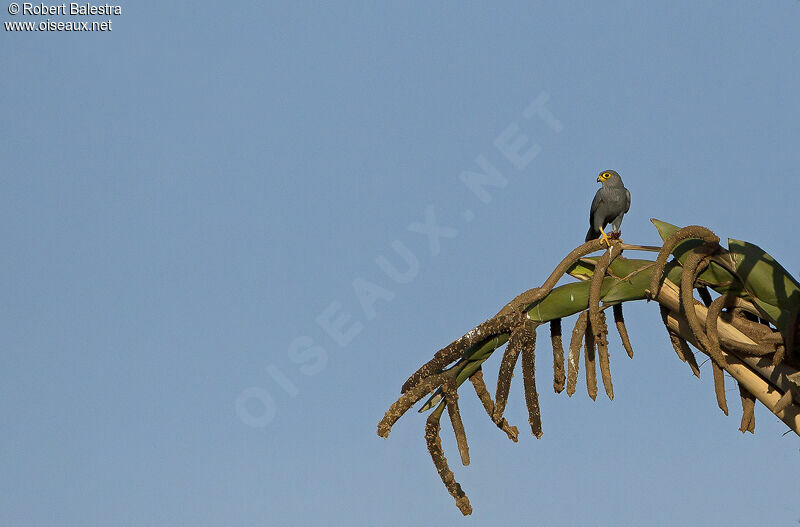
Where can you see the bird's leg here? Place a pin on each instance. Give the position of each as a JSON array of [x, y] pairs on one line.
[[604, 236]]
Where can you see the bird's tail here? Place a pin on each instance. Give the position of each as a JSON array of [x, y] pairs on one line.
[[592, 234]]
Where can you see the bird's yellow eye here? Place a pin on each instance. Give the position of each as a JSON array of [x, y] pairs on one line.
[[604, 175]]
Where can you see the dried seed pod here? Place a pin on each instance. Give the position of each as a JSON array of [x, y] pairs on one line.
[[619, 321], [529, 380], [434, 442], [450, 392], [719, 386], [506, 372], [754, 331], [681, 347], [486, 399], [712, 316], [591, 369], [684, 352], [602, 351], [748, 416], [407, 400], [596, 284], [575, 352], [692, 231], [695, 263], [456, 349], [440, 360], [559, 378]]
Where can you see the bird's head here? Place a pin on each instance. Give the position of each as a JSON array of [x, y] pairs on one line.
[[609, 177]]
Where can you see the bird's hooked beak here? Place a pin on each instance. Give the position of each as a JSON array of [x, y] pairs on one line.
[[598, 179]]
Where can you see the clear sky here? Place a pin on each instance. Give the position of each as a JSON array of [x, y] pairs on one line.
[[190, 202]]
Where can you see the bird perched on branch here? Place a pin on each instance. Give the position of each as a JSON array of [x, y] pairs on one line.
[[609, 205]]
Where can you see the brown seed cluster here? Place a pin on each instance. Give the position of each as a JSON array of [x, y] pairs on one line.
[[730, 329]]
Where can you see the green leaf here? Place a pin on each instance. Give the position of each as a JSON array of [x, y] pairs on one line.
[[565, 300], [775, 290], [776, 315], [633, 288], [628, 274], [583, 269]]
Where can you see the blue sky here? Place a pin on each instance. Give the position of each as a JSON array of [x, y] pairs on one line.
[[188, 198]]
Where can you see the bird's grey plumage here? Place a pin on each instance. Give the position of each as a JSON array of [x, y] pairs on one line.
[[609, 205]]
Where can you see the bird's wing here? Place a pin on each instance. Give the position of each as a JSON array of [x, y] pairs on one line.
[[627, 200], [595, 204]]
